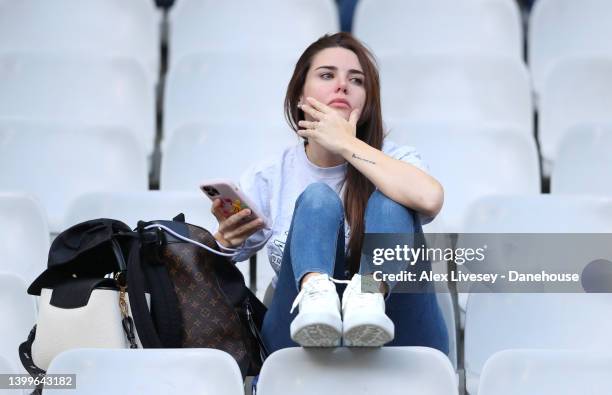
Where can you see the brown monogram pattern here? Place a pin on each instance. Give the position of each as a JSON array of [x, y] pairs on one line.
[[209, 320]]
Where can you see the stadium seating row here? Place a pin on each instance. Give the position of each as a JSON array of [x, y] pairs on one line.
[[424, 91], [55, 68], [544, 343], [59, 163], [507, 214], [556, 27]]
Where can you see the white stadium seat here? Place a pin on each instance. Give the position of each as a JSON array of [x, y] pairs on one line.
[[543, 214], [18, 311], [131, 207], [547, 372], [466, 89], [501, 321], [535, 214], [349, 371], [561, 28], [539, 214], [57, 163], [78, 90], [252, 26], [576, 91], [214, 86], [584, 164], [24, 236], [200, 152], [440, 26], [496, 322], [149, 371], [94, 28], [471, 163]]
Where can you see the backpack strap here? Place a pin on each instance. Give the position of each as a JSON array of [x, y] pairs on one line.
[[138, 302], [164, 305], [162, 326]]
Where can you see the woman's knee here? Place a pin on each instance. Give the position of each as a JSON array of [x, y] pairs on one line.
[[381, 207], [319, 196]]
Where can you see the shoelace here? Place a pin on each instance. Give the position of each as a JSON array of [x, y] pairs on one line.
[[308, 289]]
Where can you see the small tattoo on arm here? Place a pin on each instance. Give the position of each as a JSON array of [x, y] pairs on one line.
[[363, 159]]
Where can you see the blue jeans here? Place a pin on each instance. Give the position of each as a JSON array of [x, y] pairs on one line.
[[316, 244]]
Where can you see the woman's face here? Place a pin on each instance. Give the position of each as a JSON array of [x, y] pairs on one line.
[[336, 78]]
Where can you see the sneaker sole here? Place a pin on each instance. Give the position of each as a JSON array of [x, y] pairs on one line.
[[318, 335], [325, 332], [368, 335]]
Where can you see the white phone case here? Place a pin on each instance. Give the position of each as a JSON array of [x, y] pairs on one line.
[[232, 199]]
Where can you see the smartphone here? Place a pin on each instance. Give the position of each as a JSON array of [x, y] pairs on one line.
[[232, 199]]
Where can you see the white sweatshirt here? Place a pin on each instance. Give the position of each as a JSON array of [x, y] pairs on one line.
[[275, 185]]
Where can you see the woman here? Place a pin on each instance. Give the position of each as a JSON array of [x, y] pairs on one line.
[[325, 193]]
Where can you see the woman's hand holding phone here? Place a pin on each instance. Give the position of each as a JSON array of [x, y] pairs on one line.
[[236, 228]]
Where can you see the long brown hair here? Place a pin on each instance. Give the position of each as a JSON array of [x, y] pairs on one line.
[[357, 188]]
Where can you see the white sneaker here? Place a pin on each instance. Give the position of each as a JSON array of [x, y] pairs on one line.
[[365, 323], [318, 323]]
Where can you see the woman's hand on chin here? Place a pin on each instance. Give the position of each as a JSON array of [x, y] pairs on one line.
[[329, 128]]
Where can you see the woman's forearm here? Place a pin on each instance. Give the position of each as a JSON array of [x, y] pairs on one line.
[[400, 181]]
